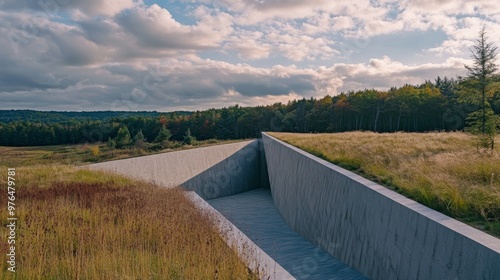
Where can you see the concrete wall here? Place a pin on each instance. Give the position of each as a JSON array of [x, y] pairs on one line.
[[375, 230], [211, 172], [264, 176]]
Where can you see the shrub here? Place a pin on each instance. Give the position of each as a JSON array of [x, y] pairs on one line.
[[95, 150], [111, 143]]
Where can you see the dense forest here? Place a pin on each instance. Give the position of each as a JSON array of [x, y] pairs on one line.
[[57, 116], [432, 106]]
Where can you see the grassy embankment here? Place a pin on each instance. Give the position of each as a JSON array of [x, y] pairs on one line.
[[444, 171], [85, 153], [80, 224]]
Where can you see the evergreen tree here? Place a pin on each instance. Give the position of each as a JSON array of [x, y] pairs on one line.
[[486, 131], [122, 138], [480, 76], [445, 86], [188, 138], [111, 143], [139, 140], [163, 135]]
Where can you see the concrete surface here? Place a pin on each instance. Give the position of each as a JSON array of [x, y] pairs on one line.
[[211, 172], [371, 228], [254, 257], [254, 214], [250, 222]]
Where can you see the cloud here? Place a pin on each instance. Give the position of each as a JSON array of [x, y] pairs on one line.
[[204, 83], [249, 44], [452, 7], [47, 43], [196, 54], [253, 11], [87, 8], [323, 23], [99, 7], [258, 11], [198, 79], [154, 27], [134, 34], [462, 34], [383, 73], [301, 47], [281, 39], [172, 83]]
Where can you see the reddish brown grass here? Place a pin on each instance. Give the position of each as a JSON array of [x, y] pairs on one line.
[[114, 229]]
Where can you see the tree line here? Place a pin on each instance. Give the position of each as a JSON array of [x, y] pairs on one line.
[[431, 106], [67, 116]]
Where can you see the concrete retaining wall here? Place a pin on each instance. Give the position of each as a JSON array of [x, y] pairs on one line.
[[375, 230], [211, 172]]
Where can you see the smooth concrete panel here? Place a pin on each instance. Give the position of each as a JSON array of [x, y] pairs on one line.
[[211, 172], [254, 257], [264, 177], [379, 232]]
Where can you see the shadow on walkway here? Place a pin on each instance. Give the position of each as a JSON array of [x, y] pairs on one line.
[[253, 212]]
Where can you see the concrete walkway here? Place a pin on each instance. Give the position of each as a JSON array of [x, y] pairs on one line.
[[253, 212]]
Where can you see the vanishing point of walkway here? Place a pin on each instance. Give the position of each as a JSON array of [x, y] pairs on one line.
[[253, 212]]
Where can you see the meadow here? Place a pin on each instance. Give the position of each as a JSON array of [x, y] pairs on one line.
[[79, 224], [444, 171]]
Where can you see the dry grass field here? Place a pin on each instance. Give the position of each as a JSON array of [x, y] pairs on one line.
[[444, 171], [80, 224], [85, 153]]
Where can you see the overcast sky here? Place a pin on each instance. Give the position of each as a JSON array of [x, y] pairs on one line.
[[196, 54]]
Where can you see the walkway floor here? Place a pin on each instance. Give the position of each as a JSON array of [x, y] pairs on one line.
[[253, 212]]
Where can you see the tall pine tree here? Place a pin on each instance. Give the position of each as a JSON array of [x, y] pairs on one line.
[[480, 76]]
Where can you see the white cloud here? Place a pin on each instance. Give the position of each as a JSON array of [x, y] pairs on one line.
[[84, 8], [462, 34], [325, 22], [454, 7], [383, 73], [250, 45], [98, 7], [202, 83], [155, 27], [254, 11], [127, 54], [286, 40], [454, 47]]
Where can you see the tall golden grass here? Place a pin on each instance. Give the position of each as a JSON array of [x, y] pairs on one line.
[[444, 171], [80, 224]]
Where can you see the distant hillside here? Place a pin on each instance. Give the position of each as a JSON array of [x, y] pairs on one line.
[[7, 116]]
